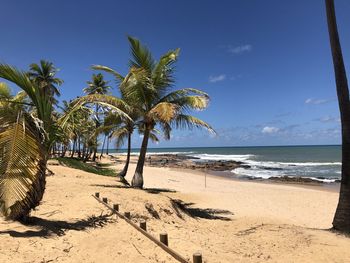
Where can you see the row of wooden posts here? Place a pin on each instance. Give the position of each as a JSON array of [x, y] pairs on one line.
[[142, 227]]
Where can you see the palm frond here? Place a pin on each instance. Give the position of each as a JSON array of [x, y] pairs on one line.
[[118, 76], [110, 102], [142, 57], [22, 167], [153, 136], [183, 121], [163, 73], [163, 112]]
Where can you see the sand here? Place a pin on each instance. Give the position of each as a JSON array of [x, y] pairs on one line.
[[228, 221]]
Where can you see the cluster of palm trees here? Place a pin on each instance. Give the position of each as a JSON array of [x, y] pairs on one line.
[[33, 125]]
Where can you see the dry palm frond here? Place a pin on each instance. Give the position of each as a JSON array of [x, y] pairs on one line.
[[22, 166], [164, 111]]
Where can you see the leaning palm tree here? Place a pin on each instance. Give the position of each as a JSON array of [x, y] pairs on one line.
[[97, 86], [341, 219], [122, 128], [24, 147], [44, 75], [148, 86]]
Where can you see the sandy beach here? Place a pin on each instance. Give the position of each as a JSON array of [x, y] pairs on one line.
[[228, 221]]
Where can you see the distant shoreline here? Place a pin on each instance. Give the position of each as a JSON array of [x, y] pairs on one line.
[[203, 147]]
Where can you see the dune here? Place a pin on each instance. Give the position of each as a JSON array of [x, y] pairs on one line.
[[227, 221]]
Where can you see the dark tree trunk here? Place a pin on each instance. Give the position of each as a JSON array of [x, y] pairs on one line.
[[64, 150], [137, 180], [341, 219], [126, 166], [79, 148], [73, 148], [95, 154], [97, 125], [103, 146], [107, 148]]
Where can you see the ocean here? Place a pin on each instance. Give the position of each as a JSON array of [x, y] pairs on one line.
[[321, 163]]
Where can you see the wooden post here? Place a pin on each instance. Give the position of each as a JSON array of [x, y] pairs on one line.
[[197, 257], [116, 207], [105, 200], [164, 238], [97, 195], [143, 225], [127, 215]]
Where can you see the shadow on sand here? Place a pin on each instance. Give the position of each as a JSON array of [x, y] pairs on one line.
[[47, 228], [194, 212], [148, 190]]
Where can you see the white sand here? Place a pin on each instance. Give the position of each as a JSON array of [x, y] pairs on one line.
[[270, 222]]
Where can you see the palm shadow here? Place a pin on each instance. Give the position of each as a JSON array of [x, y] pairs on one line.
[[111, 186], [47, 228], [195, 212], [159, 190]]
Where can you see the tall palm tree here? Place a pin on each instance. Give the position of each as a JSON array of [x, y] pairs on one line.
[[341, 219], [97, 86], [24, 143], [123, 128], [44, 74], [148, 86]]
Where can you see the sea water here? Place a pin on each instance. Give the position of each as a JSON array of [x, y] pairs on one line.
[[321, 163]]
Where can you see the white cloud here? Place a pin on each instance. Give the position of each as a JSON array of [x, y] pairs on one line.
[[317, 101], [240, 49], [270, 130], [218, 78], [326, 119]]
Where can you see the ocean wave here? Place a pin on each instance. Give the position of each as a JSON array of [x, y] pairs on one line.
[[266, 174], [222, 157], [289, 164], [154, 153]]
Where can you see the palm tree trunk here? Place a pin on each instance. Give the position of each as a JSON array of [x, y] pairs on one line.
[[341, 219], [107, 148], [137, 180], [73, 148], [97, 125], [126, 166], [103, 146], [79, 147]]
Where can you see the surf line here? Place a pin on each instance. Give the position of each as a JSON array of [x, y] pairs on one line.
[[170, 251]]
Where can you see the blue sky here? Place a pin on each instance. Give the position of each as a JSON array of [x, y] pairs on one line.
[[266, 64]]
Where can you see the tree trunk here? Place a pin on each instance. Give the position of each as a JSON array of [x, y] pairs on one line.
[[79, 148], [97, 125], [341, 219], [126, 166], [73, 148], [137, 180], [107, 148], [103, 146]]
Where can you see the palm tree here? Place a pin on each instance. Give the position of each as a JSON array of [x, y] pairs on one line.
[[24, 143], [44, 75], [123, 128], [148, 86], [341, 219], [97, 86]]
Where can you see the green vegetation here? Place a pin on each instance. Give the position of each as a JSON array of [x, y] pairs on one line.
[[87, 167]]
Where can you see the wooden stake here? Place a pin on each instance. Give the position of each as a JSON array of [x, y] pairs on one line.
[[97, 195], [163, 237], [105, 200], [127, 215], [116, 207], [197, 257], [143, 225]]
